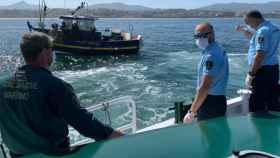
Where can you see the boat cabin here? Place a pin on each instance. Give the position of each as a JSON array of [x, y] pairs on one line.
[[84, 23], [76, 28]]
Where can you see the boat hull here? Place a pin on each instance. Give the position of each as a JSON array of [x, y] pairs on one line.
[[99, 48]]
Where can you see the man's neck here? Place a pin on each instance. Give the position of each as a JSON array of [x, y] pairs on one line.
[[36, 64], [260, 22]]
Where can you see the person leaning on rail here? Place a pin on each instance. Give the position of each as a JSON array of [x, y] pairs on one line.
[[263, 74], [213, 71], [36, 107]]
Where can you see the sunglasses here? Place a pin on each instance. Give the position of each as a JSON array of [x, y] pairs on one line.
[[201, 35]]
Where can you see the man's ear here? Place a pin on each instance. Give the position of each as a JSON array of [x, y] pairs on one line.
[[211, 38], [45, 53]]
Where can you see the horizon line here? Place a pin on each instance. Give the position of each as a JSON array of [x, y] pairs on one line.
[[144, 5]]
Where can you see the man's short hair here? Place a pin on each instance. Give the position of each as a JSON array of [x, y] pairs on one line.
[[33, 43], [211, 27], [254, 14]]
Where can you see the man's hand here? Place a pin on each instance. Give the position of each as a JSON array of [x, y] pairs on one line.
[[116, 134], [248, 81], [240, 28], [189, 117], [243, 29]]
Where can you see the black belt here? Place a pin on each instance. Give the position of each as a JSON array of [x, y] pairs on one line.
[[270, 66], [209, 95]]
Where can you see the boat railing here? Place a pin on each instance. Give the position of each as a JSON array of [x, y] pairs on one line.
[[3, 149], [239, 105], [131, 104], [105, 106]]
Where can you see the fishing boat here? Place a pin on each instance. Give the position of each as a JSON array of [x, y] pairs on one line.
[[239, 134], [78, 35]]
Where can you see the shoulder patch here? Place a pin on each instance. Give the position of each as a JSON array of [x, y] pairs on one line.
[[209, 65], [260, 40]]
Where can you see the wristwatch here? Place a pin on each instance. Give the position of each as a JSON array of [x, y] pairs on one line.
[[193, 113]]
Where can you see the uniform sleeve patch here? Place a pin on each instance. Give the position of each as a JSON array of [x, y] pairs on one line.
[[209, 65], [260, 39]]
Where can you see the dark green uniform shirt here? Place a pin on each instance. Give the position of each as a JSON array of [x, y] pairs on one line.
[[36, 109]]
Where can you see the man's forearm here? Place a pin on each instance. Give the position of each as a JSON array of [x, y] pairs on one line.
[[199, 99], [257, 63], [248, 34]]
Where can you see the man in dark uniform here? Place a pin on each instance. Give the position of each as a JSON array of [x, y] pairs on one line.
[[263, 74], [37, 107]]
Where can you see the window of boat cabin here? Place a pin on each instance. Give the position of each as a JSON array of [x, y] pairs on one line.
[[68, 23], [87, 25]]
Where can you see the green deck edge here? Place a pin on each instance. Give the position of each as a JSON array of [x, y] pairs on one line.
[[215, 138]]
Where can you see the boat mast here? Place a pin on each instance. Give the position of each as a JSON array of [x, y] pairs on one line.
[[79, 8], [65, 6], [42, 13], [40, 17], [44, 10]]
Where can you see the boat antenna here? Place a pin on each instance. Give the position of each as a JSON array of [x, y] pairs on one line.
[[42, 13], [79, 8], [45, 8], [64, 6], [40, 17], [87, 6]]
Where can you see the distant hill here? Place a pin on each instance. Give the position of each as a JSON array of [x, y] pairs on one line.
[[120, 6], [22, 5], [121, 10], [242, 7]]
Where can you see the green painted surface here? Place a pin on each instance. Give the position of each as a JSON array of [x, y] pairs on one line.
[[215, 138]]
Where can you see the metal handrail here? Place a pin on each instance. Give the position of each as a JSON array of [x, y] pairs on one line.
[[131, 104], [128, 99], [3, 153]]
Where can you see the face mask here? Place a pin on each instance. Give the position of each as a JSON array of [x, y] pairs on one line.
[[202, 43], [251, 29]]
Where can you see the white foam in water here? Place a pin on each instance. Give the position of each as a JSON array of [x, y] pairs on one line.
[[71, 76], [10, 63], [126, 70], [119, 117], [152, 90], [157, 117]]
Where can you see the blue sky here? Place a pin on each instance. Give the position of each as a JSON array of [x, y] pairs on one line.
[[188, 4]]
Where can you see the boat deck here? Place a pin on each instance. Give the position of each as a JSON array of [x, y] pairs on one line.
[[214, 138]]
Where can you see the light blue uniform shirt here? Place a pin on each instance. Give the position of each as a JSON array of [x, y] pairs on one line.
[[265, 39], [214, 62]]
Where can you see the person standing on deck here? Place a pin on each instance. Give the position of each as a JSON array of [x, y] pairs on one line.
[[37, 107], [213, 71], [263, 74]]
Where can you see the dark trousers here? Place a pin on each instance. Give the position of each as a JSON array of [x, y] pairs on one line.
[[264, 95], [213, 106]]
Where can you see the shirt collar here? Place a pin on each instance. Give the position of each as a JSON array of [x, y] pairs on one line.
[[32, 67], [208, 47], [262, 24]]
